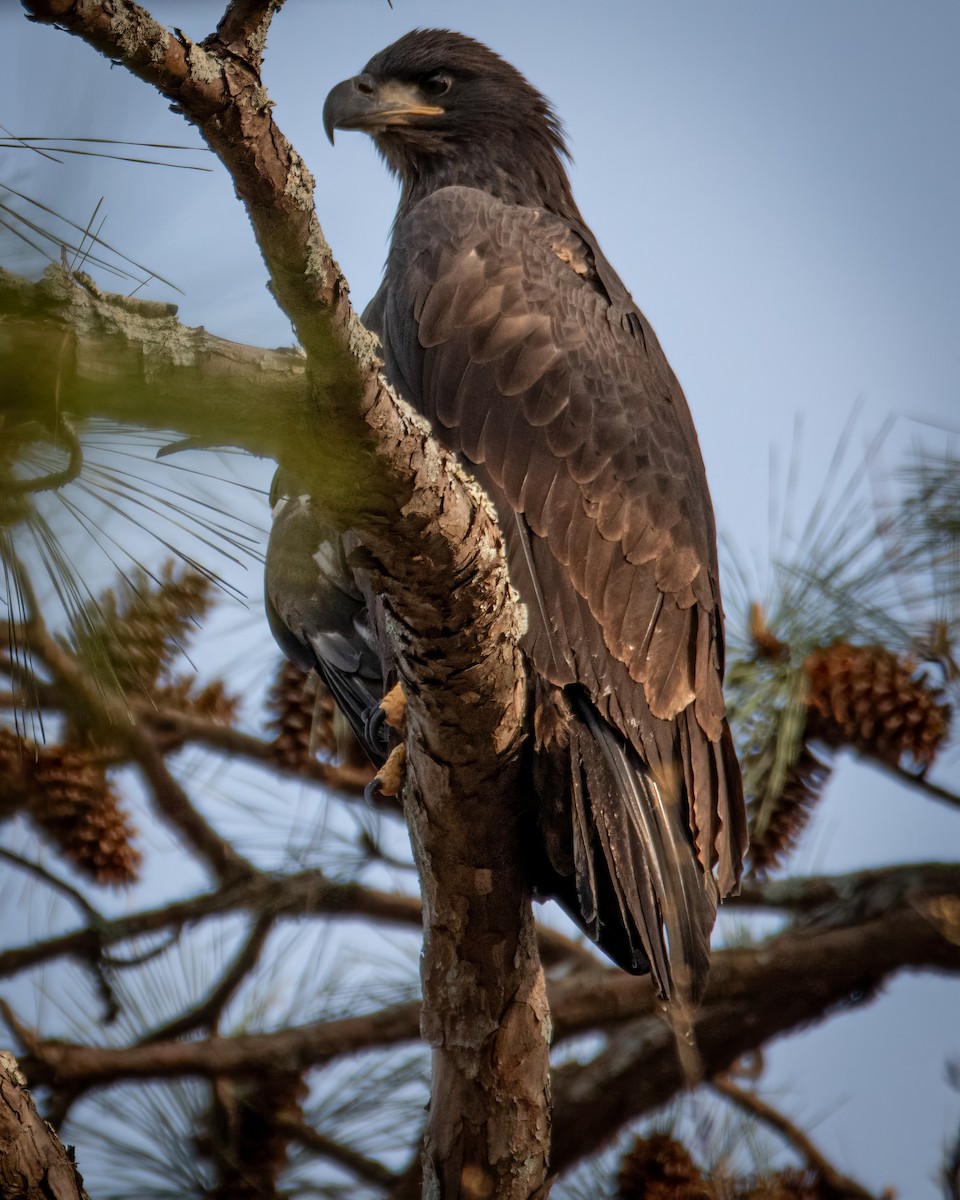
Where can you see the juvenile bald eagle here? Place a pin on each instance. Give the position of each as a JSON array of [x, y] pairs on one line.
[[502, 322]]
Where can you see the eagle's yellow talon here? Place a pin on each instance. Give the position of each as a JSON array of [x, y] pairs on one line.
[[389, 779]]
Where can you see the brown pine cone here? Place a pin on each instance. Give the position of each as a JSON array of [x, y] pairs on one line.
[[241, 1136], [802, 789], [73, 805], [137, 631], [868, 698], [294, 699], [660, 1168]]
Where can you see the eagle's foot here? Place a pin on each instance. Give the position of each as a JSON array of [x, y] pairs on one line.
[[394, 708], [389, 714], [389, 779]]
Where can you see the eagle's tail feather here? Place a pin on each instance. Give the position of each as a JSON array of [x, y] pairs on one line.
[[665, 898]]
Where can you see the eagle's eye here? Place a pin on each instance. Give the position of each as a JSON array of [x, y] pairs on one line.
[[437, 84]]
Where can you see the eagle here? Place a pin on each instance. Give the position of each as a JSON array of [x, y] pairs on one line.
[[504, 325]]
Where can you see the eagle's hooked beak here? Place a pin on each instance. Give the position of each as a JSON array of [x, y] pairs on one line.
[[363, 103]]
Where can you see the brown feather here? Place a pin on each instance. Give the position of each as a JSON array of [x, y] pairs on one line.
[[572, 420]]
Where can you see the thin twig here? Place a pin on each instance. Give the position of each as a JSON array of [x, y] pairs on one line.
[[60, 885], [206, 1014], [920, 782], [837, 1185], [362, 1166], [304, 893]]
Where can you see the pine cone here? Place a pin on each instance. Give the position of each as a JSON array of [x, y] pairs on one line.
[[802, 790], [134, 634], [212, 701], [293, 700], [241, 1136], [14, 767], [72, 804], [866, 697], [660, 1168]]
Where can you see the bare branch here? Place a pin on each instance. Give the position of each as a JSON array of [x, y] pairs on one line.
[[286, 1050], [243, 29], [293, 895], [161, 375]]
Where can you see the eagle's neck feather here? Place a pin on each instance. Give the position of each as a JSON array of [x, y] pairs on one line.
[[534, 176]]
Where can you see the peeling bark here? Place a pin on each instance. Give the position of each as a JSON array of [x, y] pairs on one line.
[[34, 1163]]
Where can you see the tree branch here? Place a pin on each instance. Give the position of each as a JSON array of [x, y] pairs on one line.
[[834, 1185], [361, 1166], [206, 1014], [753, 995], [170, 799], [307, 892], [845, 899], [423, 526], [302, 894], [243, 29], [142, 367]]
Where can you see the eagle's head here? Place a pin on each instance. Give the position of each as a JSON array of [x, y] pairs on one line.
[[445, 109]]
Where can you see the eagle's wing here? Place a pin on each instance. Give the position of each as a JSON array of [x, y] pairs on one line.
[[498, 327], [318, 614]]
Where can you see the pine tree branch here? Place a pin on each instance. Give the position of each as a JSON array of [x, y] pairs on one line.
[[422, 524], [302, 894], [174, 728], [243, 29], [753, 995], [833, 1184], [206, 1014], [840, 899], [141, 367], [287, 1050], [169, 797], [305, 893], [918, 782], [360, 1164], [179, 727]]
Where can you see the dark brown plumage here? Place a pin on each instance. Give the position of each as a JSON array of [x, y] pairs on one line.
[[503, 323]]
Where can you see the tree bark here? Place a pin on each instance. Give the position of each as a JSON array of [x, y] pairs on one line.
[[433, 550], [34, 1163]]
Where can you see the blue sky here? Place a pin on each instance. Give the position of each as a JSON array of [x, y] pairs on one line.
[[777, 183]]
